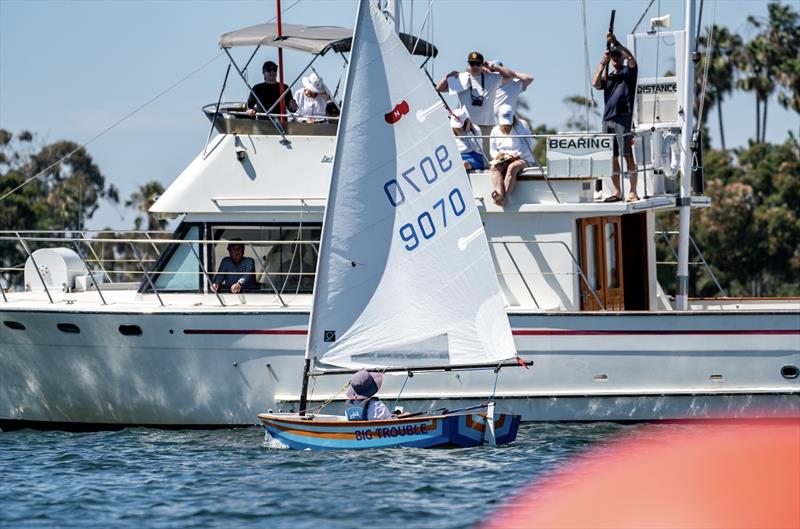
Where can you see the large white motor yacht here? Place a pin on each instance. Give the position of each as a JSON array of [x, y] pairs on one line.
[[80, 350]]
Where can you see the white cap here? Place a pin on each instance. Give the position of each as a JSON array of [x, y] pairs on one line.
[[314, 83], [505, 115], [458, 118]]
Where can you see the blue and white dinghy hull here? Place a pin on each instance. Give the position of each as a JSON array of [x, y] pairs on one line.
[[332, 432]]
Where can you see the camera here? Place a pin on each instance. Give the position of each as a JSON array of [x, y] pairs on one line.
[[477, 101]]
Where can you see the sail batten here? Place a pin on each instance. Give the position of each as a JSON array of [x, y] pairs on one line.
[[405, 273]]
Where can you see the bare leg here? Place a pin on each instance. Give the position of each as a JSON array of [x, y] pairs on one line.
[[511, 175], [615, 178], [467, 166], [630, 163], [498, 195]]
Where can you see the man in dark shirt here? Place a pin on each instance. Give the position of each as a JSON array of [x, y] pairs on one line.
[[237, 272], [619, 90], [268, 92]]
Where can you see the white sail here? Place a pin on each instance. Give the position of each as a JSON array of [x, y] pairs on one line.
[[404, 265]]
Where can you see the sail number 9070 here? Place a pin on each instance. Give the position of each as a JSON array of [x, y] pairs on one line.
[[430, 168]]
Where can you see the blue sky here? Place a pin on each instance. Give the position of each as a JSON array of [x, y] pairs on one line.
[[70, 69]]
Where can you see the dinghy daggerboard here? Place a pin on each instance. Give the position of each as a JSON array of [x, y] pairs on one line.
[[404, 274]]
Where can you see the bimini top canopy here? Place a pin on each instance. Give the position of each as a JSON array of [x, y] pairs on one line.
[[312, 39]]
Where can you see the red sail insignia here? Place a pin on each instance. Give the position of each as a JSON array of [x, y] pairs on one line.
[[399, 110]]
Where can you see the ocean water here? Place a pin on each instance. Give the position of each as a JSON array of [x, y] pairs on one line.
[[142, 477]]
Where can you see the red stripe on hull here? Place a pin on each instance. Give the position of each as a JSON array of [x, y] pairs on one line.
[[557, 332], [534, 332], [246, 331]]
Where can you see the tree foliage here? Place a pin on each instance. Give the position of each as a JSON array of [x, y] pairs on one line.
[[750, 234], [62, 197]]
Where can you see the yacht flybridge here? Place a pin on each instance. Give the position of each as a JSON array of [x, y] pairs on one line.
[[81, 349]]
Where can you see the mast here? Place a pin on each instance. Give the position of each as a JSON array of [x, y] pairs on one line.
[[682, 286], [280, 63]]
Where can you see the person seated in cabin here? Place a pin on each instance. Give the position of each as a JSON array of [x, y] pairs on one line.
[[469, 145], [264, 95], [236, 272], [332, 111], [509, 91], [476, 89], [312, 99], [362, 404], [510, 153]]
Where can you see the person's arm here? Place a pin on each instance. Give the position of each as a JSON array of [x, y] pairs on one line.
[[291, 105], [441, 86], [507, 73], [219, 277], [527, 79], [251, 105], [623, 50], [599, 79], [245, 275], [377, 410]]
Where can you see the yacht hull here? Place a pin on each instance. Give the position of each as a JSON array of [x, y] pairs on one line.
[[220, 369]]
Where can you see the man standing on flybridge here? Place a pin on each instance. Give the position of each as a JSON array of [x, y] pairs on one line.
[[619, 90]]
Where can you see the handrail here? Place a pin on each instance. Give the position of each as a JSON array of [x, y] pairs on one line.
[[572, 256], [89, 269], [36, 266]]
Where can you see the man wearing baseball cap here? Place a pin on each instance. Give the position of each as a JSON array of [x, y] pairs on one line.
[[476, 89], [619, 91], [264, 95]]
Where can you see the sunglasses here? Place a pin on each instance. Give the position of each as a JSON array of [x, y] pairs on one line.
[[270, 70], [475, 63]]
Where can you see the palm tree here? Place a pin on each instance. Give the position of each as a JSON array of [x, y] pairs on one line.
[[725, 52], [142, 200], [754, 64]]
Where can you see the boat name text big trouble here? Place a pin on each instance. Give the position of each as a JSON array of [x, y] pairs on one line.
[[388, 433]]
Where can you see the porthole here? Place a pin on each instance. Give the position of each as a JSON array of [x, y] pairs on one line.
[[70, 328], [17, 326], [790, 372], [130, 330]]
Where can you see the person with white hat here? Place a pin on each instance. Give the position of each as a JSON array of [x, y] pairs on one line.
[[467, 140], [509, 91], [312, 99], [510, 152], [362, 404]]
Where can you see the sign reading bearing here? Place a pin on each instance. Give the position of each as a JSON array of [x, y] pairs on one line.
[[587, 155]]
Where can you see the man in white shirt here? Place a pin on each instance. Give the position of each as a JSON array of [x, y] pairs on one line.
[[476, 89], [312, 99], [509, 91]]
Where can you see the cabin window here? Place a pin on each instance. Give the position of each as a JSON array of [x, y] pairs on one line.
[[182, 268], [592, 255], [612, 265], [285, 256]]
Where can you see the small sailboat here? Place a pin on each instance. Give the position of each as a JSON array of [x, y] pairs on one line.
[[405, 280]]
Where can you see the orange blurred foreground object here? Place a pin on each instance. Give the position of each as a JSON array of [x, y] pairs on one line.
[[720, 475]]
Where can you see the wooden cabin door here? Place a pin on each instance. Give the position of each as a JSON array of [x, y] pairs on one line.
[[601, 261]]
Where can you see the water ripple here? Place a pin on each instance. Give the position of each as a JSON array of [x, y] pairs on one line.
[[140, 477]]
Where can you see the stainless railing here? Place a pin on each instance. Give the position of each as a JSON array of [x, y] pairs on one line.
[[125, 255], [521, 275]]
